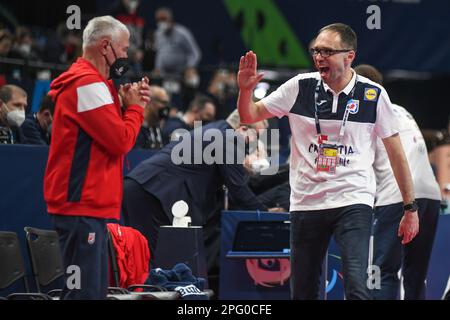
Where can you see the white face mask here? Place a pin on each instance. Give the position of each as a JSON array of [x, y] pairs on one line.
[[132, 6], [25, 48], [193, 81], [260, 165], [15, 117], [163, 26]]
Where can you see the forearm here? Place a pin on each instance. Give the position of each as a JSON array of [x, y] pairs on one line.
[[247, 108], [404, 180], [400, 167]]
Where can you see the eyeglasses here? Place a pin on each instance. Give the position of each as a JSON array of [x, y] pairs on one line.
[[325, 53]]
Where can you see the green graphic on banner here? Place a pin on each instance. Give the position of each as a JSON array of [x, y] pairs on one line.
[[265, 31]]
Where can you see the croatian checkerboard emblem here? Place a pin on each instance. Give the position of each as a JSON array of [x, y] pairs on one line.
[[91, 238], [353, 106]]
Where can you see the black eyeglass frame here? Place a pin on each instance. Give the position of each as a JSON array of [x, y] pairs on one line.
[[330, 52]]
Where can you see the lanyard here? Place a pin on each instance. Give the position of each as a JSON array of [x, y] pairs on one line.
[[155, 141], [346, 113]]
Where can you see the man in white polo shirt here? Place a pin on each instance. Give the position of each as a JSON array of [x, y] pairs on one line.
[[335, 118], [388, 250]]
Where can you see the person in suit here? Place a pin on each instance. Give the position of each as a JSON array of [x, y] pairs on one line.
[[155, 184], [201, 108], [13, 102], [36, 128], [150, 134]]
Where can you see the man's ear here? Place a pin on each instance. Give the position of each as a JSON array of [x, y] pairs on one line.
[[2, 109], [351, 56], [104, 43]]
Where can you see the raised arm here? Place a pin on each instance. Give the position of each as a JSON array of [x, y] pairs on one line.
[[248, 78]]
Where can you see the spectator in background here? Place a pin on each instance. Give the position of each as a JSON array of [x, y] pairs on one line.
[[148, 61], [126, 12], [37, 126], [13, 100], [201, 109], [6, 41], [438, 146], [150, 135], [441, 159], [388, 253], [189, 87], [63, 46], [24, 46], [223, 89], [176, 48]]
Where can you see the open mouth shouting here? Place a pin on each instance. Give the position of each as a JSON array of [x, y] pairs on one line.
[[324, 71]]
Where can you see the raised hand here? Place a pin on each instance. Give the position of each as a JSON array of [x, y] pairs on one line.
[[247, 76]]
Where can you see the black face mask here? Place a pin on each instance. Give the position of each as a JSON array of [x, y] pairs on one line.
[[119, 67]]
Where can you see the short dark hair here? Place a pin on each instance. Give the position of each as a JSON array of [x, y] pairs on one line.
[[166, 10], [7, 91], [348, 36], [47, 104], [200, 103], [370, 72]]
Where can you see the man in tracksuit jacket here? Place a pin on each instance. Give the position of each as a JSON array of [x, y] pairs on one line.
[[90, 136]]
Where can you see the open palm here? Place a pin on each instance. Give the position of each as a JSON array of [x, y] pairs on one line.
[[247, 76]]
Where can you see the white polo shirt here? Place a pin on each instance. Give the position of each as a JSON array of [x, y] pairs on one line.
[[354, 181], [425, 184]]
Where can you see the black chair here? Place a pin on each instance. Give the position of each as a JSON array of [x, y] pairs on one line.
[[45, 257], [12, 267], [114, 269], [46, 260]]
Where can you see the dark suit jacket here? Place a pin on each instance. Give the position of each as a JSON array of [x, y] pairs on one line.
[[194, 183], [32, 132], [171, 125], [10, 135]]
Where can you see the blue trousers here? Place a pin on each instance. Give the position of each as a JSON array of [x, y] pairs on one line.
[[390, 255], [311, 232], [84, 247]]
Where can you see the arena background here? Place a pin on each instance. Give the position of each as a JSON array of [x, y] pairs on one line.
[[412, 49]]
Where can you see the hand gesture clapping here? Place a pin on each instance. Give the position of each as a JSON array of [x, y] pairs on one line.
[[136, 93]]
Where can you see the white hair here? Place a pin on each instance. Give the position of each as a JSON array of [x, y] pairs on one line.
[[234, 120], [101, 27]]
